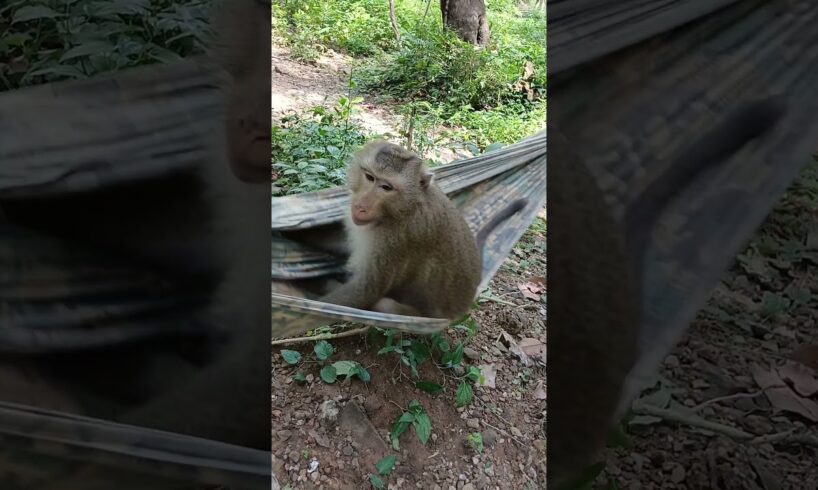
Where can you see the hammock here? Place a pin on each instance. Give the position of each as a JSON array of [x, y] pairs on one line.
[[303, 224], [636, 80]]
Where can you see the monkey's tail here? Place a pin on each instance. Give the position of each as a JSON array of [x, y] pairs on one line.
[[740, 127], [511, 209]]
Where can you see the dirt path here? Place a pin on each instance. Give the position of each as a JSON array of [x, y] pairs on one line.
[[299, 86]]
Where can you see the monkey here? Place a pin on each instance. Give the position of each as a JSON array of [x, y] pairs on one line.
[[412, 252], [596, 271]]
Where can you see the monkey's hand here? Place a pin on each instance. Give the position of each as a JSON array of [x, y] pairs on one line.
[[362, 291]]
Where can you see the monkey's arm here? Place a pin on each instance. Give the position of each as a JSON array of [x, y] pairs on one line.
[[362, 291]]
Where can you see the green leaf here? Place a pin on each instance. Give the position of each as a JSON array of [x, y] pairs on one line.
[[453, 357], [69, 71], [345, 368], [328, 374], [300, 377], [399, 427], [34, 12], [386, 464], [87, 49], [420, 350], [362, 373], [423, 427], [429, 387], [291, 356], [415, 407], [493, 146], [323, 350], [376, 482], [464, 394], [386, 350], [16, 39], [474, 374], [475, 439]]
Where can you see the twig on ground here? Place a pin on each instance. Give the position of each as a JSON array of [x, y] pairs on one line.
[[693, 420], [323, 336], [707, 403], [501, 431]]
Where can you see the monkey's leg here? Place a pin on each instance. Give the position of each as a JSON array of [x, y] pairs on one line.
[[389, 305]]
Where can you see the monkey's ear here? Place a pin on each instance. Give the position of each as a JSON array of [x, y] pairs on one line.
[[426, 179]]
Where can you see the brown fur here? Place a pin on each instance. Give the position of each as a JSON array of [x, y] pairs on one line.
[[412, 251]]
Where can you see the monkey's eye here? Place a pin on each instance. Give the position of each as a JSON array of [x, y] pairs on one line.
[[386, 187], [369, 177]]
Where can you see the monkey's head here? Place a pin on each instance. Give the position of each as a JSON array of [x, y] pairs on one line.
[[387, 183], [241, 47]]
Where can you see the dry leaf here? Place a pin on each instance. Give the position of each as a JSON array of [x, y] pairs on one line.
[[513, 347], [489, 372], [807, 355], [781, 396], [802, 378], [533, 348], [532, 288], [539, 391]]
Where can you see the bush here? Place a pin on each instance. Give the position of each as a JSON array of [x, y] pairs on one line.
[[309, 153], [358, 27], [49, 40]]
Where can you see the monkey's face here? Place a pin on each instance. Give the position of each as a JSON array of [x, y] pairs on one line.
[[373, 195], [242, 48], [387, 183]]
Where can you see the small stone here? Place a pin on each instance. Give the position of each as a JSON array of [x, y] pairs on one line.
[[347, 450], [678, 474], [489, 437], [473, 423], [459, 370], [516, 432], [672, 361], [284, 434], [310, 378], [471, 354], [468, 486], [700, 384]]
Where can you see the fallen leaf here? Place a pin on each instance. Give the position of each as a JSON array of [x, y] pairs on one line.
[[533, 348], [514, 348], [532, 288], [644, 420], [806, 354], [781, 396], [769, 480], [802, 378], [539, 391], [489, 373]]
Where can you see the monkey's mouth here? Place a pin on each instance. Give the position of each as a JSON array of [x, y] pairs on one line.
[[361, 222]]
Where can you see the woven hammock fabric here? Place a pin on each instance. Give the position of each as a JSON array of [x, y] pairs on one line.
[[632, 104], [479, 186]]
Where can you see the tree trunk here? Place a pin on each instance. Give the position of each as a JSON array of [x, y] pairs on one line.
[[468, 19]]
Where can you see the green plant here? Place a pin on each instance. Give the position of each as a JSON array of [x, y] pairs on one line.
[[309, 152], [475, 441], [50, 40], [329, 373], [415, 416], [384, 467]]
